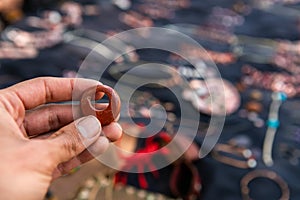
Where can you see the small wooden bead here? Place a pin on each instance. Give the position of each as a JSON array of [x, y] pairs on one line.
[[253, 106]]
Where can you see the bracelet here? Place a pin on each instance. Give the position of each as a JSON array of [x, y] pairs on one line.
[[273, 124], [262, 173], [245, 157], [158, 75]]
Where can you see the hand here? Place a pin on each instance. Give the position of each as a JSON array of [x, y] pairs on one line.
[[40, 141]]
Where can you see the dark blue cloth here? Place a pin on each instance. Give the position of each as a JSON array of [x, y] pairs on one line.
[[220, 181]]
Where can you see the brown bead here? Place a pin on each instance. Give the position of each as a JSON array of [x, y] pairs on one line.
[[241, 87], [253, 106], [256, 95], [107, 115]]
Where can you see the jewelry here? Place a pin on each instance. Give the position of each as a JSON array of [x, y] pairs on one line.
[[277, 2], [90, 39], [273, 124], [277, 82], [256, 50], [164, 9], [242, 7], [122, 4], [54, 24], [283, 87], [201, 93], [208, 55], [38, 39], [156, 11], [73, 11], [288, 61], [174, 4], [49, 21], [234, 156], [262, 173], [158, 77], [201, 71], [142, 109], [11, 14], [110, 113], [23, 44], [253, 108], [69, 14], [218, 27], [280, 53], [10, 51], [135, 20], [224, 19], [276, 7], [202, 32]]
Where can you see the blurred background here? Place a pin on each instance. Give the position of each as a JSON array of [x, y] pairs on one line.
[[255, 47]]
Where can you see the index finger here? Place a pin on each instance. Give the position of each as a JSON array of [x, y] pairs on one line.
[[38, 91]]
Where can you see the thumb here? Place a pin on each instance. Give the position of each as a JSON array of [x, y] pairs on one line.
[[74, 138]]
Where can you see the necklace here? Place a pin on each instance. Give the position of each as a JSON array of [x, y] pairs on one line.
[[274, 81]]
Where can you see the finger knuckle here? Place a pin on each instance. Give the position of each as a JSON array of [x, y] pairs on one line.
[[53, 119], [71, 143], [62, 169]]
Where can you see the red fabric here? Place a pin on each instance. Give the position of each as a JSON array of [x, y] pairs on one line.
[[141, 159]]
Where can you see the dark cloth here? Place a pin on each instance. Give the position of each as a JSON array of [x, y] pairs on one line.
[[220, 181]]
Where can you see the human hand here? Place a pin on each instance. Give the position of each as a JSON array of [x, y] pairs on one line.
[[39, 141]]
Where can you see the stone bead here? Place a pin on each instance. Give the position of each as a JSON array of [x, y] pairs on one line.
[[256, 95], [253, 106], [273, 123]]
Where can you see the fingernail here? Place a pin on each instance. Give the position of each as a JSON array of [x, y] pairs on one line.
[[89, 126], [99, 146]]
